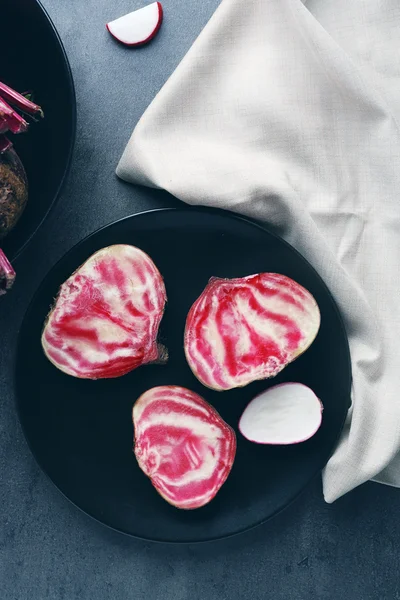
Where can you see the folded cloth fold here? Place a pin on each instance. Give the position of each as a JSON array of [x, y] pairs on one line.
[[287, 112]]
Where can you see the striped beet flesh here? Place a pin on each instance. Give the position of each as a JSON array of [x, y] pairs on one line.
[[106, 317], [183, 445], [241, 330]]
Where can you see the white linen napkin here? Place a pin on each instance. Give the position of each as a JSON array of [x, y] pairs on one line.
[[288, 112]]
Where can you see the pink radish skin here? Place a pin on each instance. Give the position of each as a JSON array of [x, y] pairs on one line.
[[138, 27], [288, 413], [249, 328], [5, 144], [183, 445]]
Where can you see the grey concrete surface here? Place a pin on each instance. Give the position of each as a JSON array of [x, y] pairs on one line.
[[48, 549]]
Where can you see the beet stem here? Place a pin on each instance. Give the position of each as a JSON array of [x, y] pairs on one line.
[[5, 144], [19, 101], [7, 274], [15, 123], [3, 125]]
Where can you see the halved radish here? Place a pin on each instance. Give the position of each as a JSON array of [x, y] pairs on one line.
[[106, 316], [183, 445], [138, 27], [241, 330], [288, 413]]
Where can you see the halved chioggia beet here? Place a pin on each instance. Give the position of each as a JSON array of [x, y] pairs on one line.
[[138, 27], [241, 330], [105, 319], [288, 413], [7, 274], [183, 445], [13, 187]]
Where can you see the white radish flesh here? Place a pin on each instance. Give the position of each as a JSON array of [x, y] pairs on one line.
[[137, 27], [288, 413]]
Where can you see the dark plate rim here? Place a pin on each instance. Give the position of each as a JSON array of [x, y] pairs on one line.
[[323, 462], [73, 116]]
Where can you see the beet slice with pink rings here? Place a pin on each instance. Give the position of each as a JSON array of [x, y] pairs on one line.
[[106, 317], [183, 445], [250, 328]]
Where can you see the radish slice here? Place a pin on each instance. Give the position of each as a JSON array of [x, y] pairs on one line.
[[106, 317], [288, 413], [241, 330], [139, 26], [183, 445]]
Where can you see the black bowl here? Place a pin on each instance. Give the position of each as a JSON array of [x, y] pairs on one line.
[[33, 59], [81, 431]]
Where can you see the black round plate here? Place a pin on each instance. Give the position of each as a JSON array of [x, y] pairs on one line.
[[81, 431], [33, 59]]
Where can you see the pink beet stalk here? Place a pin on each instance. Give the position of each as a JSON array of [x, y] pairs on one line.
[[7, 274], [14, 121], [3, 126], [19, 101], [5, 144]]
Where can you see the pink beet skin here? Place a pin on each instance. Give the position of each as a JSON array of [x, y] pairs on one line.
[[183, 445], [106, 317], [241, 330]]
